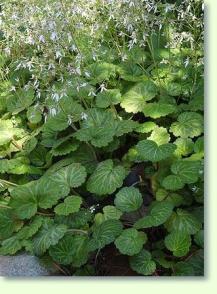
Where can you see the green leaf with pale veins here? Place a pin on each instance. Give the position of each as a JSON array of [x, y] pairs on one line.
[[188, 171], [135, 99], [108, 97], [178, 242], [149, 150], [142, 263], [71, 204], [72, 249], [158, 109], [131, 241], [105, 233], [173, 183], [8, 223], [189, 124], [185, 222], [160, 136], [106, 178], [31, 229], [158, 214], [48, 235], [184, 146], [111, 212], [128, 199]]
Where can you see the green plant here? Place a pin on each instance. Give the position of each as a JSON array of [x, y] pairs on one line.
[[107, 159]]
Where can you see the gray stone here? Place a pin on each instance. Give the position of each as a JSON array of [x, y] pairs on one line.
[[22, 265]]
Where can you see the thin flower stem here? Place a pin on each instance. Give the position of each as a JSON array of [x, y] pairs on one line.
[[77, 231], [8, 183], [5, 206]]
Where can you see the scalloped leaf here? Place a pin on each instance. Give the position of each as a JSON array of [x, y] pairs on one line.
[[131, 72], [71, 204], [106, 178], [173, 183], [189, 124], [188, 171], [31, 229], [8, 132], [184, 146], [158, 109], [184, 222], [111, 212], [128, 199], [142, 263], [134, 100], [108, 97], [34, 114], [178, 242], [48, 235], [146, 127], [158, 215], [159, 135], [130, 242], [8, 223], [72, 249], [149, 150], [105, 233], [101, 71]]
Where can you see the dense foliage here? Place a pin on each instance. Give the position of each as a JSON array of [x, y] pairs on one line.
[[101, 135]]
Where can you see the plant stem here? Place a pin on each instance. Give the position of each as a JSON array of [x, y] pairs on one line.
[[5, 206], [8, 183], [45, 214], [77, 231]]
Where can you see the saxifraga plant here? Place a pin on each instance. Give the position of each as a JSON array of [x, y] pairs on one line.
[[101, 136]]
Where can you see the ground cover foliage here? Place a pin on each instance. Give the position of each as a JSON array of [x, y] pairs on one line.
[[101, 135]]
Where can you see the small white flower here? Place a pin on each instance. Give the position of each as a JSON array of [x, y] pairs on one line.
[[194, 189], [53, 111], [102, 87], [69, 119], [53, 36], [55, 96], [84, 116], [58, 54], [91, 93], [186, 62], [87, 74], [41, 39], [124, 57], [13, 89]]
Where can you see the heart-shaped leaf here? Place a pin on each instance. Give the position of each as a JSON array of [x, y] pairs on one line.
[[130, 242], [128, 199], [149, 150], [106, 178]]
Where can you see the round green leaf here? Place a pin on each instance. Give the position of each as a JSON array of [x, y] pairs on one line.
[[128, 199], [178, 242], [149, 150], [134, 100], [173, 183], [189, 124], [107, 98], [106, 178], [142, 263], [185, 222], [160, 136], [130, 242], [159, 213], [48, 235], [72, 249], [158, 109], [71, 204], [105, 233]]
